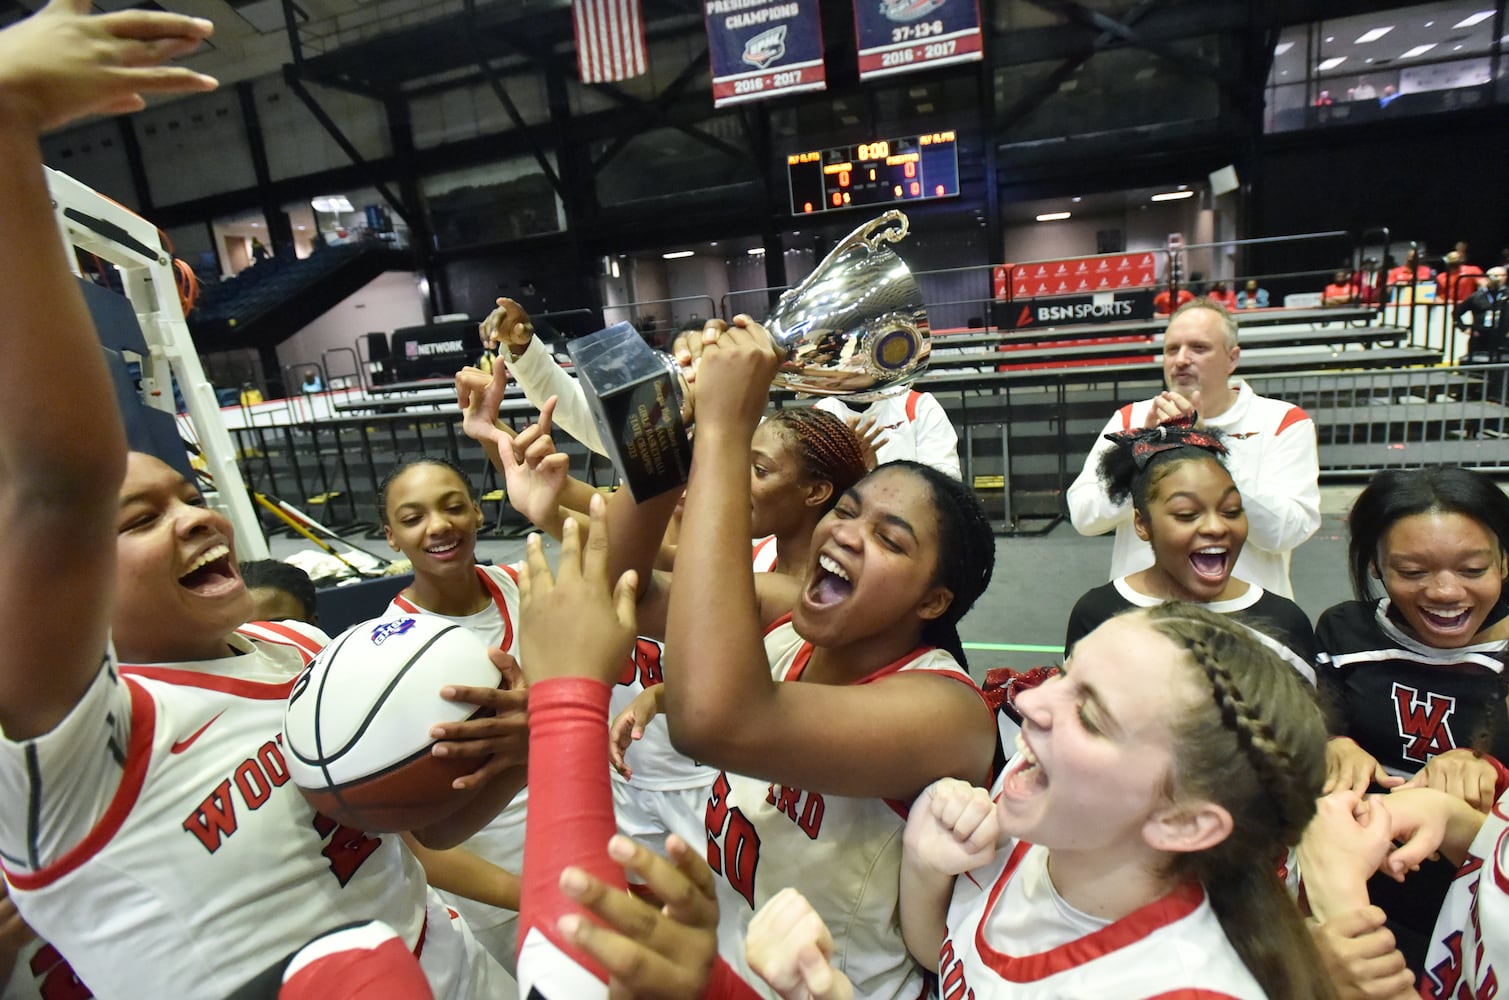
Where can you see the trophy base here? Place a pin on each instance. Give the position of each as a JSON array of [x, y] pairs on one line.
[[635, 399]]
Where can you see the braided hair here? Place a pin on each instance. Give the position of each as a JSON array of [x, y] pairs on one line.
[[966, 552], [409, 462], [1256, 748], [830, 451]]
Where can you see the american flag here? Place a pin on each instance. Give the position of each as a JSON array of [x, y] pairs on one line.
[[609, 40]]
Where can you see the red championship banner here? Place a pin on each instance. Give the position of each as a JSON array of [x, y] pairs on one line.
[[763, 48], [609, 40], [1080, 275], [899, 36]]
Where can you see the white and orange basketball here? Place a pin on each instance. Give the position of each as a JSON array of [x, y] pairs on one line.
[[357, 726]]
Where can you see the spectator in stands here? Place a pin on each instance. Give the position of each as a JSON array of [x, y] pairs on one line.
[[1487, 306], [279, 592], [1459, 279], [1324, 99], [1273, 461], [1387, 97], [312, 382], [1252, 296], [1220, 292], [1364, 91], [1411, 271], [1161, 301], [1342, 291]]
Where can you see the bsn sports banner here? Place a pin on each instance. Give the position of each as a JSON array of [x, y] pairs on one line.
[[760, 48], [899, 36], [1106, 307], [1078, 275]]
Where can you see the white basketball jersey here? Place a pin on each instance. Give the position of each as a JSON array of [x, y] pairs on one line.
[[843, 854], [1010, 934], [1471, 939], [763, 555], [207, 865], [502, 840]]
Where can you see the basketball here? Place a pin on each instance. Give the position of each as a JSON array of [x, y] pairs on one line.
[[357, 725]]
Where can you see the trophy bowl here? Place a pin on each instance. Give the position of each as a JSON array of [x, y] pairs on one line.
[[855, 327]]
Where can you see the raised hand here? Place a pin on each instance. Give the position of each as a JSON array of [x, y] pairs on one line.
[[871, 438], [534, 472], [572, 624], [480, 394], [657, 954], [62, 63], [952, 827], [507, 326], [790, 947], [733, 375]]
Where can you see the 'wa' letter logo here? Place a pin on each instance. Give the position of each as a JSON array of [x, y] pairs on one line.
[[1423, 722]]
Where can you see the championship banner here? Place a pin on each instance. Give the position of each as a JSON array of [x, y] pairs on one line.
[[762, 48], [1105, 307], [899, 36], [1109, 272]]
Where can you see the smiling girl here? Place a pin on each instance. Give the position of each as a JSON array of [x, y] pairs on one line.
[[1186, 506], [826, 701], [1130, 848], [430, 515], [1416, 676]]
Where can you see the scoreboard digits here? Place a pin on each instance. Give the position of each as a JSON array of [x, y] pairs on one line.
[[881, 172]]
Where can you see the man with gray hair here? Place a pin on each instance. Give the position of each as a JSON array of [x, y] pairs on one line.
[[1273, 456]]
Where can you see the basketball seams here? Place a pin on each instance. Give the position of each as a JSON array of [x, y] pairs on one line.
[[319, 695]]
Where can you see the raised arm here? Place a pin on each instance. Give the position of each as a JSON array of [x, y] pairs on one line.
[[62, 447], [535, 369], [722, 704]]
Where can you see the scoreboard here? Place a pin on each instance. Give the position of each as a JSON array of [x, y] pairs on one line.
[[882, 172]]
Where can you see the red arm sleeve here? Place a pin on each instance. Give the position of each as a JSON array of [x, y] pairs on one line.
[[570, 808], [570, 822]]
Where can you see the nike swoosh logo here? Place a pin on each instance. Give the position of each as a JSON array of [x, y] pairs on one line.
[[184, 744]]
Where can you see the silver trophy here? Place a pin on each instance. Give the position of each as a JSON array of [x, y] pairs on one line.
[[855, 327]]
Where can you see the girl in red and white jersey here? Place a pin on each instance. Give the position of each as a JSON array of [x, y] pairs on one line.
[[802, 460], [431, 515], [1128, 848], [808, 693], [151, 832], [1132, 842]]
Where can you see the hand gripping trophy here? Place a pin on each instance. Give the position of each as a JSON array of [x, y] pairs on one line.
[[855, 327]]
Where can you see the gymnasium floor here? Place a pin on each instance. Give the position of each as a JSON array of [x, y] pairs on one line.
[[1020, 620]]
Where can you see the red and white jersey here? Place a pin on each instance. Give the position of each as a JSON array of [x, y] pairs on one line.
[[42, 973], [914, 425], [763, 555], [164, 850], [502, 840], [1010, 934], [843, 854], [1471, 939]]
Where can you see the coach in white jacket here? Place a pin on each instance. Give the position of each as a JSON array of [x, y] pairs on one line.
[[1273, 457]]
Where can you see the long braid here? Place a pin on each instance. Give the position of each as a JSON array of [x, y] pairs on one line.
[[830, 450], [1257, 749]]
